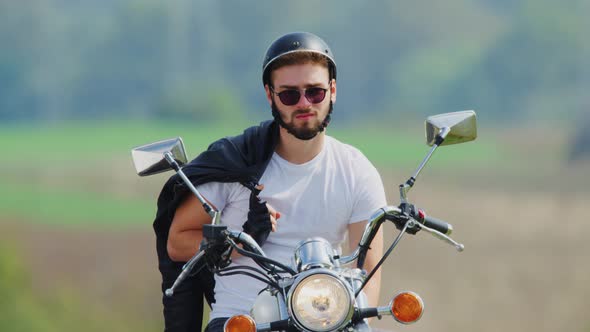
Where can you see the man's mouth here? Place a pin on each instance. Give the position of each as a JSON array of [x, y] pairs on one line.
[[304, 116]]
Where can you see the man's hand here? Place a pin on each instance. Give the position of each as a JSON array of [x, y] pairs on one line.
[[274, 216], [262, 218]]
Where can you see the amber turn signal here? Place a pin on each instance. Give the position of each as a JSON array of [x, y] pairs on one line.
[[240, 323], [407, 307]]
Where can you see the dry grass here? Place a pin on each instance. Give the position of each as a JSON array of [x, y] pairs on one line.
[[525, 266]]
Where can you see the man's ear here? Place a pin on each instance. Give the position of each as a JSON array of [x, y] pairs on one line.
[[333, 91], [268, 94]]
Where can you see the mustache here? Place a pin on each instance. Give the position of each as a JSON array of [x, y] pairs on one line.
[[299, 112]]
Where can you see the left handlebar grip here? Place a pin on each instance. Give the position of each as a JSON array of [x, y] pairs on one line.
[[438, 224]]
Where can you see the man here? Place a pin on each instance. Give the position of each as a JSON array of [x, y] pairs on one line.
[[313, 185]]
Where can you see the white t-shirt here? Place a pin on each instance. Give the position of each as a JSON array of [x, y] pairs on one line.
[[318, 198]]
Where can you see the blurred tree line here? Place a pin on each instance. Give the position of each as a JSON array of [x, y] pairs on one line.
[[201, 60]]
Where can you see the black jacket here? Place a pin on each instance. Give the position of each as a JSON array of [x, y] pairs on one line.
[[241, 158]]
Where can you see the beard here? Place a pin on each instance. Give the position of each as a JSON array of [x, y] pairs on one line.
[[303, 133]]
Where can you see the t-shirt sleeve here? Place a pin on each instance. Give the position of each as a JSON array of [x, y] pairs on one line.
[[216, 193], [369, 194]]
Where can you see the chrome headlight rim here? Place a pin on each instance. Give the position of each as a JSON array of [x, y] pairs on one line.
[[304, 275]]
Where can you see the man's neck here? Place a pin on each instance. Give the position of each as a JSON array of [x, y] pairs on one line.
[[298, 151]]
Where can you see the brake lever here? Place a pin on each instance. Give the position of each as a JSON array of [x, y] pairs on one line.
[[213, 245], [414, 223], [186, 270]]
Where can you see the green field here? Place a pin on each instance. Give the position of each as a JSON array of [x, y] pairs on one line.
[[83, 142], [72, 173]]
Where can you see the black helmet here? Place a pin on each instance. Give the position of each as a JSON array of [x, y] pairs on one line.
[[297, 42]]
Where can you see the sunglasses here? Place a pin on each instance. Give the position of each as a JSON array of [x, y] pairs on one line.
[[290, 97]]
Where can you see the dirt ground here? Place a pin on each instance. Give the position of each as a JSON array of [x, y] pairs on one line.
[[525, 266]]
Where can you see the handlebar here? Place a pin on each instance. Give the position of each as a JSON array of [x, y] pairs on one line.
[[431, 222], [214, 233], [254, 251], [246, 240], [218, 236], [400, 216], [438, 224]]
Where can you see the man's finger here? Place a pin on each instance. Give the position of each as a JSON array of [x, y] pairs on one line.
[[273, 212]]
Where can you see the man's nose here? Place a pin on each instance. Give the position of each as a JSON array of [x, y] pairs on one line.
[[303, 102]]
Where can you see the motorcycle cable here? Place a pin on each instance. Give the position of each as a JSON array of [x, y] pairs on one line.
[[256, 258], [240, 270], [268, 268], [382, 260], [195, 272], [246, 267], [220, 272]]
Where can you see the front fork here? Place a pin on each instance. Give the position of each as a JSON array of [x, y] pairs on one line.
[[356, 281]]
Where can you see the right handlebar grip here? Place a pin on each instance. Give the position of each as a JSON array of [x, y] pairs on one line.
[[438, 224]]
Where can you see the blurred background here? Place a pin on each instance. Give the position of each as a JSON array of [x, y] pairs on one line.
[[83, 82]]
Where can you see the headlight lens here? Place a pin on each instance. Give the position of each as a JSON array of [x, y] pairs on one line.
[[321, 302]]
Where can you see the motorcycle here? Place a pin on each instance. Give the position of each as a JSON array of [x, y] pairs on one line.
[[319, 290]]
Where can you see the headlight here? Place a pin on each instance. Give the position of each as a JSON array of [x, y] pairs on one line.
[[320, 301]]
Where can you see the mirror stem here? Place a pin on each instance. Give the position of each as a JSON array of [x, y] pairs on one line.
[[210, 210], [405, 188]]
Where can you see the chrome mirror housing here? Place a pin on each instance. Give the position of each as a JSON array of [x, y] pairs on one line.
[[462, 126], [149, 159]]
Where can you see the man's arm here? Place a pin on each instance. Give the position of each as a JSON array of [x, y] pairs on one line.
[[186, 231], [355, 231]]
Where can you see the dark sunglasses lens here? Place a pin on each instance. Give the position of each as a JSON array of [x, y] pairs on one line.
[[289, 97], [315, 95]]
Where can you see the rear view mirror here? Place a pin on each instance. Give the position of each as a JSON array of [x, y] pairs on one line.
[[149, 159], [462, 125]]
